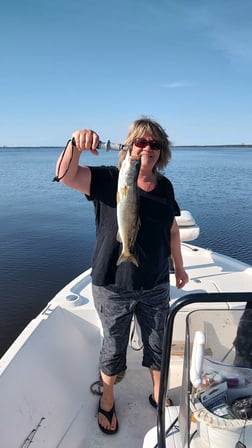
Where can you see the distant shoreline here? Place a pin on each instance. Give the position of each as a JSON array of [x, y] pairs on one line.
[[213, 146], [173, 146]]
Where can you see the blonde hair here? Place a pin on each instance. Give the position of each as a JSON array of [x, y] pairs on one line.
[[137, 130]]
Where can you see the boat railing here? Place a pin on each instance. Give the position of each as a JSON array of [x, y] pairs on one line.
[[203, 298]]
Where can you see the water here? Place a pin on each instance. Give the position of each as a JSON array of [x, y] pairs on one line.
[[47, 230]]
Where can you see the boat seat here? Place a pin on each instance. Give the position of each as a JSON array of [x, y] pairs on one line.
[[188, 228]]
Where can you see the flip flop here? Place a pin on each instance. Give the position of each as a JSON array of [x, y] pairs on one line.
[[109, 416], [153, 403]]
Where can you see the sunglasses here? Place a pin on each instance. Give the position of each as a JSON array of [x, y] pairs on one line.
[[142, 143]]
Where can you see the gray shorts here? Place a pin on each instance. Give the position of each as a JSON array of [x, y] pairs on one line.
[[116, 310]]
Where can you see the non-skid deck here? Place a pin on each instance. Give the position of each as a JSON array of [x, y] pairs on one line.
[[134, 412]]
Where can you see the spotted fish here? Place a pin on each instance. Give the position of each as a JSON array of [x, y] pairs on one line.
[[127, 208]]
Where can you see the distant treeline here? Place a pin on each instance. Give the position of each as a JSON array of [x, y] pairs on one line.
[[173, 146], [214, 146]]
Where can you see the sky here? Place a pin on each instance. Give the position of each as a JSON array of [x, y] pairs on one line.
[[101, 64]]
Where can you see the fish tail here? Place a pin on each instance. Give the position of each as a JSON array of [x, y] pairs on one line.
[[127, 258]]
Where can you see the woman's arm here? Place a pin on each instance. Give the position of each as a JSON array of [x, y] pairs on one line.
[[180, 274], [74, 175]]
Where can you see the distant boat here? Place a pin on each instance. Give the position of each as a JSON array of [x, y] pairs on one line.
[[49, 383]]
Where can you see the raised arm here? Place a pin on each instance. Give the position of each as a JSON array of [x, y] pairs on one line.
[[74, 175]]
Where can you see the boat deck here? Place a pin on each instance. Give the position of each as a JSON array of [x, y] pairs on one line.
[[135, 415], [47, 373], [137, 419]]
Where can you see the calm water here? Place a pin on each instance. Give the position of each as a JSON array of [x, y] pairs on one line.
[[47, 230]]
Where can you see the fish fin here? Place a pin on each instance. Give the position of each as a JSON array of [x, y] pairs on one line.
[[126, 259], [122, 193], [118, 237]]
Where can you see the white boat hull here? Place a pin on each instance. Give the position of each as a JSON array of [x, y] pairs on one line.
[[47, 373]]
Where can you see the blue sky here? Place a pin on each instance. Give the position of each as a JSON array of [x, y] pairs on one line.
[[70, 64]]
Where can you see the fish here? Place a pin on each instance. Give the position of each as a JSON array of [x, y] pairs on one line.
[[127, 208]]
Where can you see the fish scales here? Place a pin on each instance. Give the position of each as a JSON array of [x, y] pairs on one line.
[[127, 208]]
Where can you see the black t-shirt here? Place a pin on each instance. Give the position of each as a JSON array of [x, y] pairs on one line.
[[152, 247]]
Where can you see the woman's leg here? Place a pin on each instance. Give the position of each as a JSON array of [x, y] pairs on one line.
[[152, 310], [107, 401], [155, 376], [115, 312]]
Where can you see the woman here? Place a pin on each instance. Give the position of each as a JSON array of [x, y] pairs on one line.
[[124, 289]]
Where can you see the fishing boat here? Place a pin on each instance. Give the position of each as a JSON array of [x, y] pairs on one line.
[[49, 377]]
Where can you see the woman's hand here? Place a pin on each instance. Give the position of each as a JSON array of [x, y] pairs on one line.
[[86, 140], [181, 277]]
